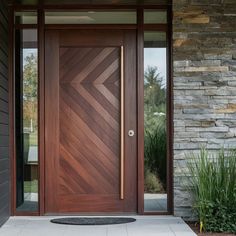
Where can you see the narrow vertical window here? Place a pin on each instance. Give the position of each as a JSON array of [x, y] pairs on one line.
[[26, 90], [155, 122]]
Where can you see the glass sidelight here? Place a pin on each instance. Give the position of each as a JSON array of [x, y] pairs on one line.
[[155, 122], [26, 122]]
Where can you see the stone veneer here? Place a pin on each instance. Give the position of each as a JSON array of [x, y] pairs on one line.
[[204, 80]]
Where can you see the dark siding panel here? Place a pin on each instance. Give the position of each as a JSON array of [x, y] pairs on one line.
[[4, 131], [4, 177], [4, 117], [4, 165], [4, 83], [3, 201], [3, 55], [4, 213], [4, 141], [3, 41], [4, 106], [4, 153], [4, 94], [3, 68], [4, 188]]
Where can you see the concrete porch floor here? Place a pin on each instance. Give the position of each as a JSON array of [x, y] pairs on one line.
[[144, 226]]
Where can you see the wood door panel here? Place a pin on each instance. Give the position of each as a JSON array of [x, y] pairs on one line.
[[82, 122], [94, 203], [108, 38], [51, 121], [83, 108], [93, 120]]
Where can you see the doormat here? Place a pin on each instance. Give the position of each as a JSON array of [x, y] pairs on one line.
[[93, 220]]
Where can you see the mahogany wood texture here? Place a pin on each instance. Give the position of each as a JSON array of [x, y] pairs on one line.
[[82, 121]]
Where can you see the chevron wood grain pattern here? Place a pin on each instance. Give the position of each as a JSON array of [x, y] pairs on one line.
[[94, 167], [83, 130]]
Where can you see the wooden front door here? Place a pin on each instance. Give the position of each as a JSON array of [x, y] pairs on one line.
[[84, 136]]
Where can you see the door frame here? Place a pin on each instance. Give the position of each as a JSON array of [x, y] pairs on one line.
[[140, 27], [123, 43]]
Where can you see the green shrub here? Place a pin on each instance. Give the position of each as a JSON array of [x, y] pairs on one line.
[[155, 150], [213, 185], [152, 183]]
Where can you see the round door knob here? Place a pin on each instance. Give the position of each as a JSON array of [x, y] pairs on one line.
[[131, 133]]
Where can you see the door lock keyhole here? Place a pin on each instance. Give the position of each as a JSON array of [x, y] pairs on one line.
[[131, 133]]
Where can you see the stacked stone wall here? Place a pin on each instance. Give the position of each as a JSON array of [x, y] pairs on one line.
[[204, 83]]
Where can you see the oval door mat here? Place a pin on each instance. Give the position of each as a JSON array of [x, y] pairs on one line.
[[93, 220]]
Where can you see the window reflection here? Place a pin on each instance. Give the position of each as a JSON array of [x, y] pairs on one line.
[[155, 196], [27, 119], [155, 17], [29, 17], [91, 17]]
